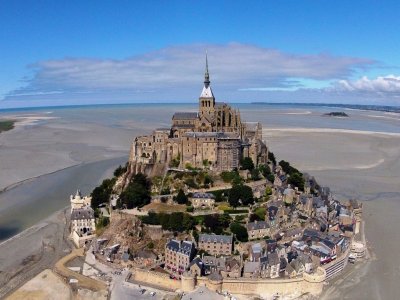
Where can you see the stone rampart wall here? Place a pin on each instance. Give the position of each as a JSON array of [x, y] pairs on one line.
[[155, 278], [308, 284]]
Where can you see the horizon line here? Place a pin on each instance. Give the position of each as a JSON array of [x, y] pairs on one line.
[[345, 105]]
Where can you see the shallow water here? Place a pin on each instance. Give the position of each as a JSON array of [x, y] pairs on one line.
[[36, 199]]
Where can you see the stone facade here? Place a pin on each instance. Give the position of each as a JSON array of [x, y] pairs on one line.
[[258, 230], [202, 200], [178, 255], [83, 225], [216, 244], [78, 201], [214, 137], [83, 221], [307, 284]]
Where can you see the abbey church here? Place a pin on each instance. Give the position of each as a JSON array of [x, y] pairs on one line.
[[214, 137]]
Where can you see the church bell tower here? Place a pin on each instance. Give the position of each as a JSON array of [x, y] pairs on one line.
[[207, 100]]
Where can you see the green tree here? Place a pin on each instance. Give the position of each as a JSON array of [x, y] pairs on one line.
[[120, 170], [271, 178], [181, 198], [296, 179], [265, 170], [175, 221], [247, 163], [234, 196], [224, 220], [260, 212], [271, 157], [240, 192], [137, 194], [187, 222], [255, 174], [247, 195], [268, 191], [285, 166], [240, 232], [102, 193]]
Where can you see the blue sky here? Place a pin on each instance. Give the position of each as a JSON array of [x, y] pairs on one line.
[[82, 52]]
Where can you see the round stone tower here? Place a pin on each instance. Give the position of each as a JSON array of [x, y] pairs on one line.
[[187, 282], [215, 282]]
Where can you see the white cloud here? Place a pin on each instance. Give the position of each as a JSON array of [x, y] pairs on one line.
[[381, 85], [233, 67]]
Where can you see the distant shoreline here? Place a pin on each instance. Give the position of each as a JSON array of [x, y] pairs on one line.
[[384, 108]]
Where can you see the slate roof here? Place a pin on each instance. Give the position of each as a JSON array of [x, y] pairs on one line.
[[256, 248], [272, 211], [185, 116], [197, 261], [82, 214], [210, 238], [185, 247], [213, 261], [203, 196], [289, 268], [207, 92], [174, 245], [273, 259], [294, 231], [257, 225], [251, 266], [232, 262], [183, 126], [312, 233], [318, 202]]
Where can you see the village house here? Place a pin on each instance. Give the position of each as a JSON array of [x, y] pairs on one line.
[[213, 264], [83, 221], [202, 200], [233, 268], [258, 229], [178, 255], [255, 252], [251, 269], [196, 266], [274, 264], [216, 244]]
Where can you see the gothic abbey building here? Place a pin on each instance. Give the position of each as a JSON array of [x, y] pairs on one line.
[[214, 137]]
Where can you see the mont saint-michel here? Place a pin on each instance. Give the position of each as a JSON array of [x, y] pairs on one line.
[[214, 137], [204, 209]]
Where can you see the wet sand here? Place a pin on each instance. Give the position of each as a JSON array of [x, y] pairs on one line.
[[367, 168], [358, 157]]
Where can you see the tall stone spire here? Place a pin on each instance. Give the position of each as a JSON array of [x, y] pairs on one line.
[[206, 75]]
